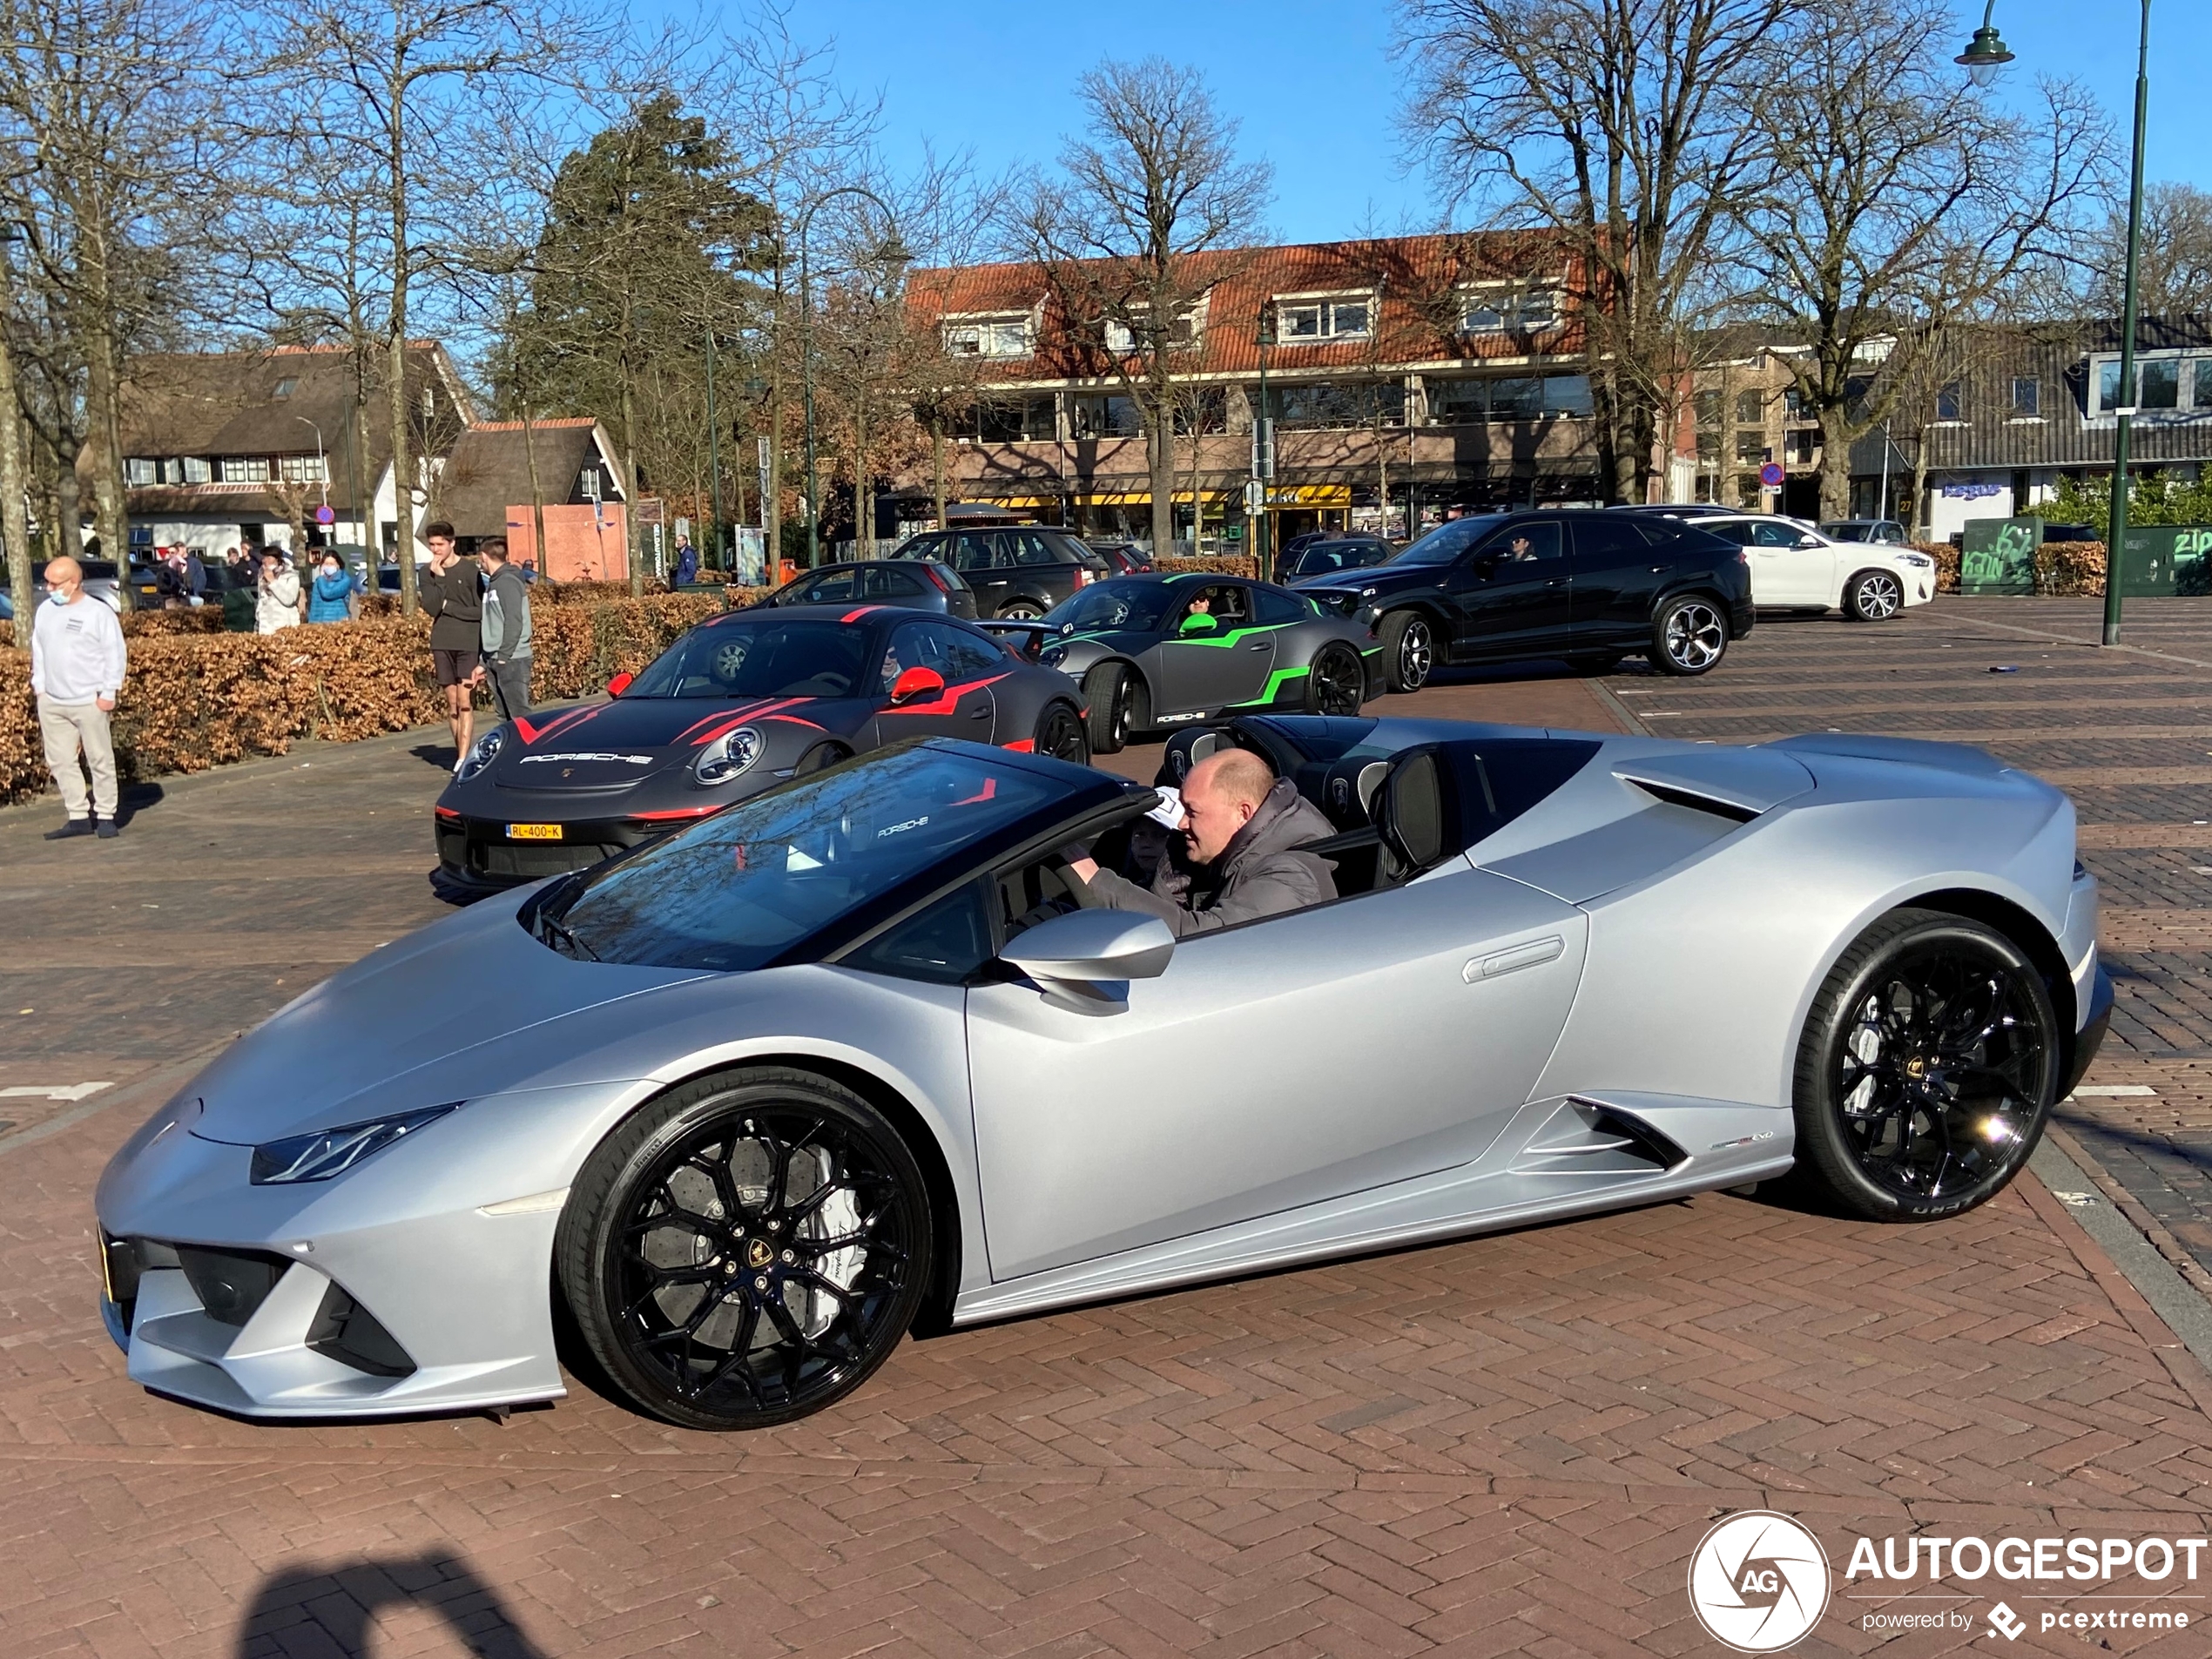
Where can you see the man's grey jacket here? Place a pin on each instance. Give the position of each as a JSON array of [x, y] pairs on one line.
[[1258, 873]]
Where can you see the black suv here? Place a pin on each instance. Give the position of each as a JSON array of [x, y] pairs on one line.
[[1590, 587], [1019, 572]]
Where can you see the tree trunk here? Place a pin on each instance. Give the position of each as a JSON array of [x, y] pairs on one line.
[[395, 393], [110, 517], [1160, 456], [14, 526], [537, 491], [1198, 438], [863, 487], [937, 465], [1919, 521], [630, 484], [1835, 465]]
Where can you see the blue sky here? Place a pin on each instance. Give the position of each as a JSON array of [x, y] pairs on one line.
[[1317, 91]]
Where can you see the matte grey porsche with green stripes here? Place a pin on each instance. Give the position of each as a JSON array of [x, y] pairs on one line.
[[1153, 652]]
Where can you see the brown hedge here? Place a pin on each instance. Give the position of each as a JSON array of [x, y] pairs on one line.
[[1210, 565], [194, 700], [208, 619], [2061, 567]]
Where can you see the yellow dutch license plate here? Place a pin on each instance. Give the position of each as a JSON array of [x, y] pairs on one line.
[[533, 832]]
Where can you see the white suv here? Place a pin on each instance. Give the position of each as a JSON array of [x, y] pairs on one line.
[[1794, 566]]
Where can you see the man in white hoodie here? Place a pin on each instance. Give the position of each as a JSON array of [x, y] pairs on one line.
[[77, 660]]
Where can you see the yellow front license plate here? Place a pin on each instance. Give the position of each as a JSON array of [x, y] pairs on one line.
[[533, 832]]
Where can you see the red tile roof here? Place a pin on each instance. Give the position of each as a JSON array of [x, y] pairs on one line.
[[1417, 277]]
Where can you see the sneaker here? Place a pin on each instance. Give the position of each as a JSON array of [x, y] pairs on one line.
[[72, 827], [107, 831]]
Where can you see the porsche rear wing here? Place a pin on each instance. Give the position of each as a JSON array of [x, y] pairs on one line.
[[1038, 632]]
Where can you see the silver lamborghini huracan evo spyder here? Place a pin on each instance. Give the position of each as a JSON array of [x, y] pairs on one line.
[[861, 1055]]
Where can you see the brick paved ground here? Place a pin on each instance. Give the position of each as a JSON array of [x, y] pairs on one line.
[[1507, 1445]]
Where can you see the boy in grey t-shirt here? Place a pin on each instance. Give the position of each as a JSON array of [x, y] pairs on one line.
[[506, 628]]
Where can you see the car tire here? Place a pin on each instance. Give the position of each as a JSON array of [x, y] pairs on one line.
[[1109, 707], [768, 1289], [1022, 611], [1689, 636], [1409, 650], [1930, 1034], [821, 758], [1336, 683], [1873, 596], [1060, 735]]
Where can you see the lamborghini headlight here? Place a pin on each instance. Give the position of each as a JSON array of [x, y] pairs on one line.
[[482, 753], [728, 755], [326, 1153]]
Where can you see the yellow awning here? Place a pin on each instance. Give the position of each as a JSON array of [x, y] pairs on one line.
[[1309, 496]]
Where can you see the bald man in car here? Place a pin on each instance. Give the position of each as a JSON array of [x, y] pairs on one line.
[[1241, 829]]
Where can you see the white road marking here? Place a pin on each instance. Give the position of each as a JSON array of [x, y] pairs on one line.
[[2115, 1089], [52, 1091]]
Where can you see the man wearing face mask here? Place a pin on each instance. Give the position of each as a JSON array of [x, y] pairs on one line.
[[77, 660]]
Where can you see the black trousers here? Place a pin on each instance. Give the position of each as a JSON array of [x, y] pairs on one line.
[[510, 685]]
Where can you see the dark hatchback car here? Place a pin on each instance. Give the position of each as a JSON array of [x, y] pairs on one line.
[[911, 585], [1018, 573], [1341, 553], [1587, 587]]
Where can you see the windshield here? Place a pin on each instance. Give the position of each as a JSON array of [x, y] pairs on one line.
[[1139, 604], [1447, 541], [763, 658], [1337, 555], [739, 888], [1848, 532]]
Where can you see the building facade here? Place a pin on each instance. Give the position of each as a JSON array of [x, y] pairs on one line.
[[1408, 378]]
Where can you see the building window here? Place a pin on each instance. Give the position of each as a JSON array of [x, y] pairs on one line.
[[1201, 408], [287, 386], [197, 471], [1709, 448], [1747, 490], [2200, 398], [988, 337], [2161, 383], [1802, 447], [1503, 309], [246, 470], [1751, 445], [1708, 409], [1793, 405], [1309, 319], [2027, 398], [301, 470], [1750, 407], [1457, 402], [140, 472], [1108, 417], [1009, 420], [1950, 399], [1322, 406]]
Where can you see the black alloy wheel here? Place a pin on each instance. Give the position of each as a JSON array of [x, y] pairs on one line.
[[1060, 735], [1337, 682], [746, 1249], [1927, 1068], [1689, 637], [1875, 595], [1107, 716], [1409, 650]]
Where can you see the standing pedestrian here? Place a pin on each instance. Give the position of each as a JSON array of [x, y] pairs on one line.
[[687, 559], [334, 595], [195, 578], [77, 660], [453, 599], [506, 628], [276, 602]]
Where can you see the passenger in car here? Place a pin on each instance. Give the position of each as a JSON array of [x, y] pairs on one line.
[[1241, 829]]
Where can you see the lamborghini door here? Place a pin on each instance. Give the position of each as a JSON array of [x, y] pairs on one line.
[[1272, 1066]]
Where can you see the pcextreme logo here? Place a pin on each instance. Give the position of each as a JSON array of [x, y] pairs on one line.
[[1758, 1582]]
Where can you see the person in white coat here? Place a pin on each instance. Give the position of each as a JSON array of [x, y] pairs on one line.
[[276, 601], [77, 660]]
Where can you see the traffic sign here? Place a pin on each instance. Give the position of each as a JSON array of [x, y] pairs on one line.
[[1771, 475], [326, 513]]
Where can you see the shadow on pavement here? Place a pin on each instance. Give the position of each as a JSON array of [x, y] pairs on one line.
[[305, 1612], [134, 799]]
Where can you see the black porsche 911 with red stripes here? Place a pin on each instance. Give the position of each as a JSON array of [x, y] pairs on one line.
[[733, 707]]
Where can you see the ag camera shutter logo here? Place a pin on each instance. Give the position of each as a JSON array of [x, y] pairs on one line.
[[1758, 1582]]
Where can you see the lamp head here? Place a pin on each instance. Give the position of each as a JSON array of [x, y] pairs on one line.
[[1984, 57]]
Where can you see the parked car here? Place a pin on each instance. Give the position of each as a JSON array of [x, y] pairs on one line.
[[1886, 530], [915, 585], [1793, 568], [1151, 652], [99, 580], [1124, 558], [1018, 574], [1591, 588], [1335, 553]]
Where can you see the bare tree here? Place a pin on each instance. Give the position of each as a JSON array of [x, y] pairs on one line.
[[1898, 203], [1626, 128], [1130, 236], [2175, 274]]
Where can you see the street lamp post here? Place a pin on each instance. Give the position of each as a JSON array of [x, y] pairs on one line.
[[892, 254], [322, 459], [1984, 58]]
